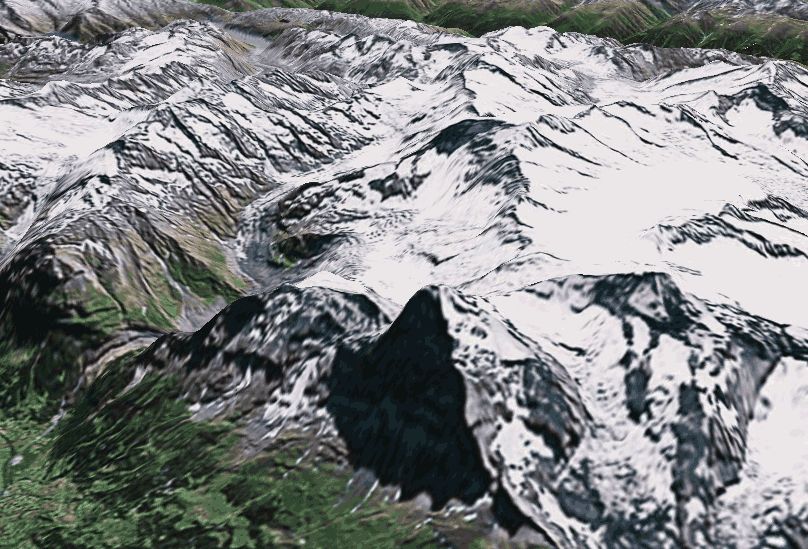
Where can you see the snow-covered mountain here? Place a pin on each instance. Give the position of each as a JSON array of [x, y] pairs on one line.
[[547, 282]]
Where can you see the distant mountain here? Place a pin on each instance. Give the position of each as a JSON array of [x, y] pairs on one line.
[[296, 277], [773, 29]]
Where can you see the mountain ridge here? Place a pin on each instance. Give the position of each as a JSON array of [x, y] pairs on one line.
[[774, 29]]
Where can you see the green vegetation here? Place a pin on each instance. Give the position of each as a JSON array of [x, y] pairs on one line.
[[127, 467], [41, 349], [614, 19], [203, 280], [391, 9], [152, 296], [17, 375], [767, 35], [626, 20], [244, 5], [118, 301], [204, 273], [282, 250], [52, 329], [33, 378], [98, 311]]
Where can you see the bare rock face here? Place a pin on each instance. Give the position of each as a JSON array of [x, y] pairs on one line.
[[544, 281]]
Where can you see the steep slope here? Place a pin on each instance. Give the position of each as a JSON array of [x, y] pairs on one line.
[[583, 411], [759, 34], [92, 18], [532, 287]]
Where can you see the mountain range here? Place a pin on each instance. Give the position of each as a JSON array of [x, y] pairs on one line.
[[299, 277], [773, 29]]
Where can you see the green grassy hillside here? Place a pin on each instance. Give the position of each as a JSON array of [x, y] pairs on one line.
[[770, 36], [620, 19], [127, 468]]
